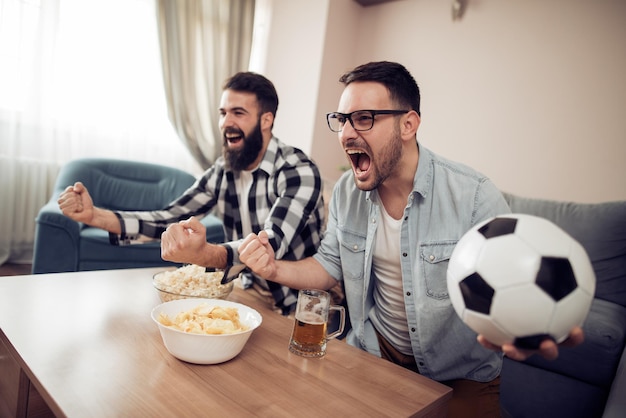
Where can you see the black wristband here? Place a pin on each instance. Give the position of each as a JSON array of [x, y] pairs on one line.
[[114, 239]]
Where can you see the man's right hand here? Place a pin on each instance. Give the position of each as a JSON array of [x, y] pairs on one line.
[[257, 253], [76, 204]]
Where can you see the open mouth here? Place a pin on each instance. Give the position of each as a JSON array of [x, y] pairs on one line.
[[360, 161], [233, 137]]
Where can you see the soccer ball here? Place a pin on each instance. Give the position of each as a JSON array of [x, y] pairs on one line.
[[520, 279]]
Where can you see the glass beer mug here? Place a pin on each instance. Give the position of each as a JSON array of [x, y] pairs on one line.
[[309, 334]]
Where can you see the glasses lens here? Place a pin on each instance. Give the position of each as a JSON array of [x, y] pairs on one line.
[[336, 121], [363, 120]]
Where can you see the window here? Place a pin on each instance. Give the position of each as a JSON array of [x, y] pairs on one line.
[[83, 78]]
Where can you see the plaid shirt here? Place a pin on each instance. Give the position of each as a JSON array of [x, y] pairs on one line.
[[285, 199]]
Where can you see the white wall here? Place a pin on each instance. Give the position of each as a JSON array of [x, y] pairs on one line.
[[532, 93], [294, 56]]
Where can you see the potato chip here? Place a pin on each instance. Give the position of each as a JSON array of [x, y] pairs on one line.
[[204, 319]]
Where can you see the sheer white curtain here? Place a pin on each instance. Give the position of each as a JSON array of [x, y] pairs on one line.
[[77, 78], [203, 42]]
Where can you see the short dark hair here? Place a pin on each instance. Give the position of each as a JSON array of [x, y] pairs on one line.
[[396, 78], [257, 84]]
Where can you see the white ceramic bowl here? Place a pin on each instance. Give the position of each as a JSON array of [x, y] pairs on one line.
[[204, 348]]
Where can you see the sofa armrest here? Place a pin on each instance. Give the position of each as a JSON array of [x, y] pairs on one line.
[[616, 403], [57, 240]]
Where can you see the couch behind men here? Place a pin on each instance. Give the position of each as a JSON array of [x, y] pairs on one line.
[[588, 380], [62, 244]]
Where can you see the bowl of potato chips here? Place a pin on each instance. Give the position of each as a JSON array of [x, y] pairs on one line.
[[191, 281], [205, 331]]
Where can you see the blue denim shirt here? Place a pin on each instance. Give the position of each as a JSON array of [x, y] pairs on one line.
[[448, 198]]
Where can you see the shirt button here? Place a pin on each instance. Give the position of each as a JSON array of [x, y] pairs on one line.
[[421, 363], [404, 254], [408, 293], [412, 329], [356, 247], [431, 258]]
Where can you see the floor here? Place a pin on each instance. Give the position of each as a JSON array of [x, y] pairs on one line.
[[10, 269]]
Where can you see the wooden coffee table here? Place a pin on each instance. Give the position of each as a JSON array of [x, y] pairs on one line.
[[83, 344]]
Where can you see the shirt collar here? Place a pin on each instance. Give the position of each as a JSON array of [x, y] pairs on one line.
[[269, 159], [424, 174]]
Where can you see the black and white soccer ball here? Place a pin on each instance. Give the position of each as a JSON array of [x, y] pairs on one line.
[[518, 279]]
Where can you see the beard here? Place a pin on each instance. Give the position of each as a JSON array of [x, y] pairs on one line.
[[386, 162], [252, 145]]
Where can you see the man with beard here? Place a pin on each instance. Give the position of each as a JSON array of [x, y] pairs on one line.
[[393, 223], [259, 183]]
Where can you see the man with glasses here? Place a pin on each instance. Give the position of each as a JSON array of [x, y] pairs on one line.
[[259, 183], [393, 223]]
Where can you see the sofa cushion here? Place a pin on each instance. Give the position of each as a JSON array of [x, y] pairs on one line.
[[601, 230], [531, 392]]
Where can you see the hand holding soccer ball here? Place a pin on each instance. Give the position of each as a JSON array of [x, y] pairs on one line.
[[548, 349]]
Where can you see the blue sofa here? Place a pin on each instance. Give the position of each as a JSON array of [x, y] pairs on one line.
[[64, 245], [588, 380]]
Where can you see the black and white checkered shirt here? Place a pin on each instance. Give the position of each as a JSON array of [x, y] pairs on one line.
[[285, 199]]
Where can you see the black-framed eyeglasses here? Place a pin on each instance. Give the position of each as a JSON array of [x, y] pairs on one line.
[[361, 120]]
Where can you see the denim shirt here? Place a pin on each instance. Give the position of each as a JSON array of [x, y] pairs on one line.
[[448, 198]]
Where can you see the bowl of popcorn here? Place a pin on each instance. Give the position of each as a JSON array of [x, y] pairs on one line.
[[205, 331], [191, 281]]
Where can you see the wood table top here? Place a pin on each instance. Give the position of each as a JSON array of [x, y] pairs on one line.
[[87, 343]]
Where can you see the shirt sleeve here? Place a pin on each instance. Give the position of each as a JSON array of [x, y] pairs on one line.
[[489, 202], [328, 252], [298, 188], [198, 200]]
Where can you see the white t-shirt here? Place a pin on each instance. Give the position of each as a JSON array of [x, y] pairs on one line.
[[390, 322], [243, 183]]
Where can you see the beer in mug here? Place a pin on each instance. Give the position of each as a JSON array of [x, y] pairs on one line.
[[309, 334]]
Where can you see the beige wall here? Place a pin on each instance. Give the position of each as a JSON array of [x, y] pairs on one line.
[[532, 93]]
